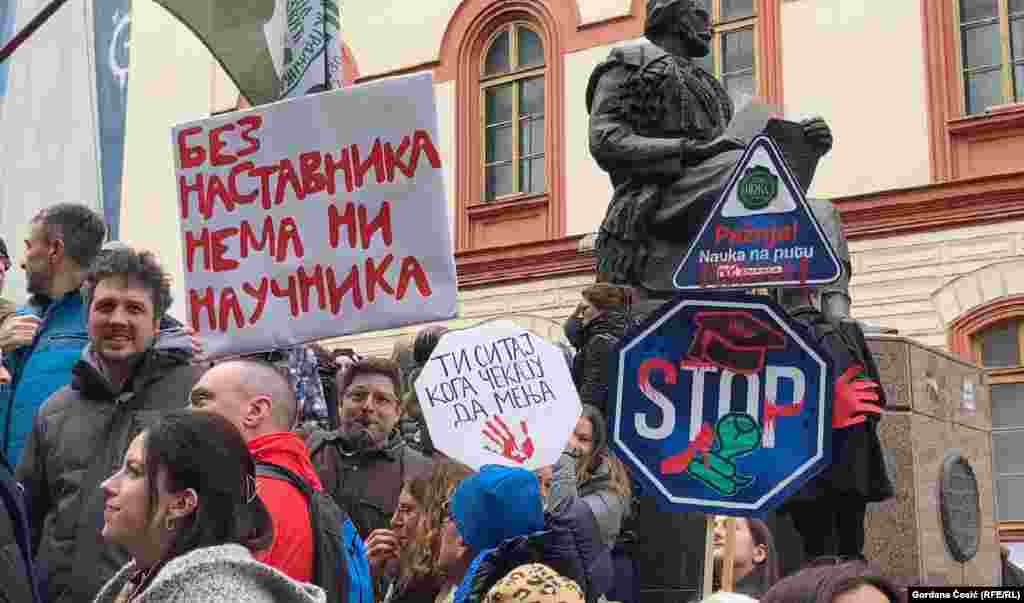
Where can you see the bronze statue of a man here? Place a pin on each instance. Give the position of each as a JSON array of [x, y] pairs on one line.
[[658, 124]]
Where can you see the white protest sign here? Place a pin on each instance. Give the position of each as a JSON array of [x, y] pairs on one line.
[[497, 394], [315, 217]]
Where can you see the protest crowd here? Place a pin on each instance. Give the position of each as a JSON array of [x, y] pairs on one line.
[[137, 470]]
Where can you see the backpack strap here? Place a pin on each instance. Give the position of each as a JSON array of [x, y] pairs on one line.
[[273, 470], [265, 469]]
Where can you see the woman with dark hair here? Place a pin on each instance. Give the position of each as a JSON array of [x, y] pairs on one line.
[[594, 329], [184, 506], [755, 562], [826, 581]]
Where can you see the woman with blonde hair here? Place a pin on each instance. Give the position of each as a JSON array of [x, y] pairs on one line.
[[408, 551]]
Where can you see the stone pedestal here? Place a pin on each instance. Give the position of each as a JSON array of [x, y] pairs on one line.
[[939, 409]]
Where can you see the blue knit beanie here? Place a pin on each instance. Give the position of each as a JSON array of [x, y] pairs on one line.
[[496, 504]]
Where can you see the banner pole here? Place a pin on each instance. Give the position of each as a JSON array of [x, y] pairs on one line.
[[709, 556], [729, 562], [26, 32]]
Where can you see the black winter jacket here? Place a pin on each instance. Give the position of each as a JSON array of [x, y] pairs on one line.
[[17, 572], [590, 365], [366, 483], [570, 544], [78, 439]]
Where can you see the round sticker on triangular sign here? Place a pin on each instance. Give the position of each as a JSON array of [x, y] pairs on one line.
[[758, 191], [760, 233]]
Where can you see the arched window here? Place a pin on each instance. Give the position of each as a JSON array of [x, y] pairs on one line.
[[512, 87], [1000, 349], [509, 123]]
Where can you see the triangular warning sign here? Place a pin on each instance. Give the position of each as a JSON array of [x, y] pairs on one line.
[[761, 232]]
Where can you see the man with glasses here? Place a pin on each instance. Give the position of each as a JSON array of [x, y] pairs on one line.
[[365, 461]]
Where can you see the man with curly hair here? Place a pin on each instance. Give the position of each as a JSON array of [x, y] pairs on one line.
[[120, 385]]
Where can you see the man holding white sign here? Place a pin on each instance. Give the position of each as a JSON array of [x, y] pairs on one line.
[[305, 231]]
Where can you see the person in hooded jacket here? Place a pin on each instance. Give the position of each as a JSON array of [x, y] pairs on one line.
[[495, 522], [258, 400], [123, 382], [594, 329]]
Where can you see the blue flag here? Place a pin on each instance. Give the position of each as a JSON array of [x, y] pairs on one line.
[[112, 19]]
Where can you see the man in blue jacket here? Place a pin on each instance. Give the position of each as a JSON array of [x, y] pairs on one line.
[[44, 339]]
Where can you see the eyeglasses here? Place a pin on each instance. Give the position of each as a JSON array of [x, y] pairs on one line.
[[361, 395]]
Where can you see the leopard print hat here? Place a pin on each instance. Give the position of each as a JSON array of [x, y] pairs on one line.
[[534, 583]]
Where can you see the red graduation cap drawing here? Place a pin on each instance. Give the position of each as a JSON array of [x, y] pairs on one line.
[[732, 340]]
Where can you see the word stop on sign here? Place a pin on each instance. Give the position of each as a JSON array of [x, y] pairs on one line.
[[699, 384]]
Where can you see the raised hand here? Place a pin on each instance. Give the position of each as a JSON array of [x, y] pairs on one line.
[[18, 331], [381, 547], [497, 431], [818, 134], [852, 399]]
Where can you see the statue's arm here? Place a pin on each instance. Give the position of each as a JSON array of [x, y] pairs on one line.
[[613, 142]]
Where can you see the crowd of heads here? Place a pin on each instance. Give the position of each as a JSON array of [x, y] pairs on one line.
[[189, 480]]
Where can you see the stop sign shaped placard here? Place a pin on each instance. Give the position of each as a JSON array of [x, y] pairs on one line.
[[722, 404]]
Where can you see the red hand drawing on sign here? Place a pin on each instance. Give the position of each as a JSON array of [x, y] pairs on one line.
[[853, 398], [679, 462], [497, 431]]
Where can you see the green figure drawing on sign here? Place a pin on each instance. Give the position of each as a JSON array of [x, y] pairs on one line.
[[711, 457]]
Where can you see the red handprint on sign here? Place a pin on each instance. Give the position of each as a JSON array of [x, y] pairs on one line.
[[498, 432], [852, 400]]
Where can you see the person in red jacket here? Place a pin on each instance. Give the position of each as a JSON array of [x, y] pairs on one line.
[[257, 398]]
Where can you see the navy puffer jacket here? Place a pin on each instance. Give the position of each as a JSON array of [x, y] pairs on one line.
[[570, 544]]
